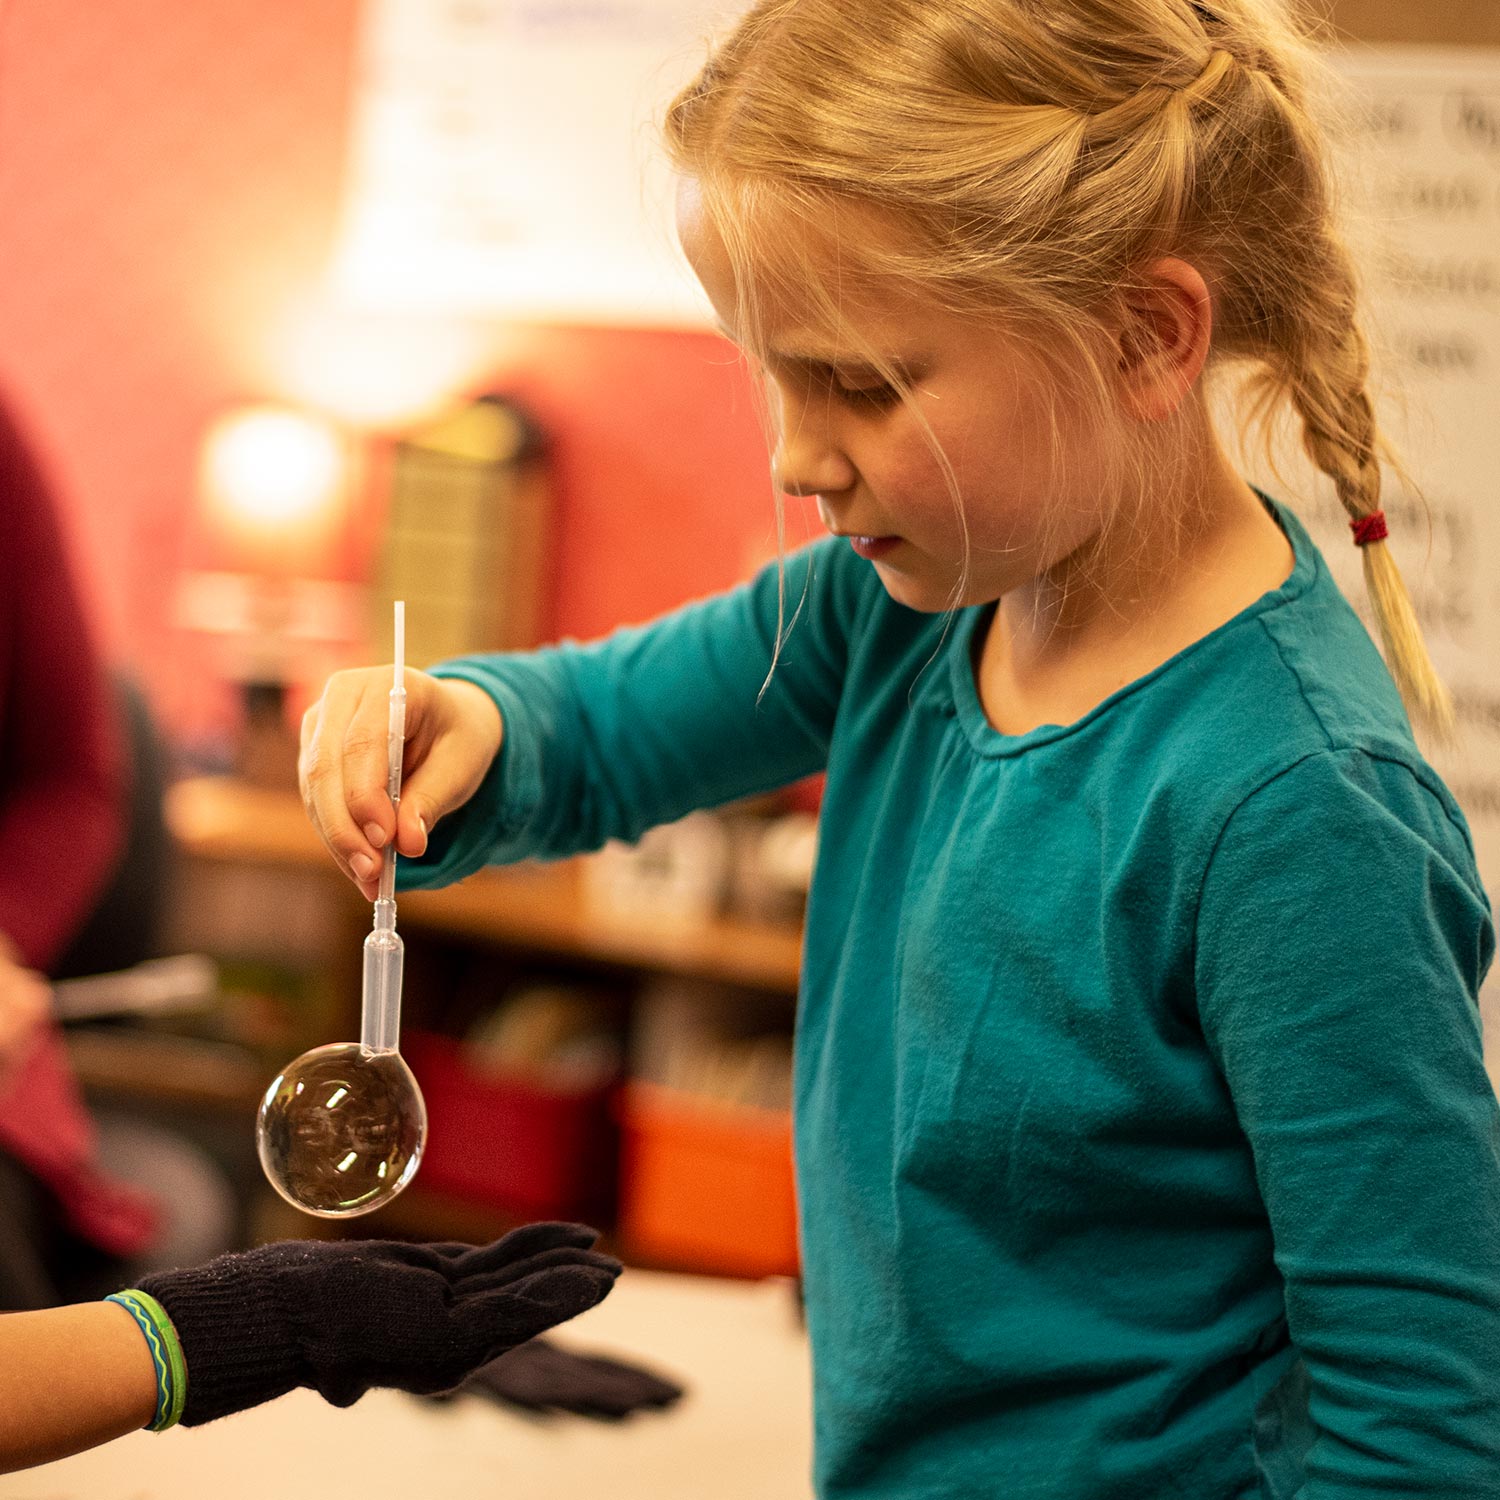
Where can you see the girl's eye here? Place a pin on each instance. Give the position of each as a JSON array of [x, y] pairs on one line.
[[859, 390], [864, 392], [867, 395]]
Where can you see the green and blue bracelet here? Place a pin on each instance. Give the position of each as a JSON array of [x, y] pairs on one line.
[[166, 1355]]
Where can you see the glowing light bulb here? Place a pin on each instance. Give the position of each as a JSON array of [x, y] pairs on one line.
[[270, 466], [340, 1130]]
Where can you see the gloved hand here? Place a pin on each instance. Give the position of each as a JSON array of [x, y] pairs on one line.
[[540, 1376], [344, 1316]]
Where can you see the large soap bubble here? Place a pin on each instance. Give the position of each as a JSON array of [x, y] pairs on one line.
[[341, 1129]]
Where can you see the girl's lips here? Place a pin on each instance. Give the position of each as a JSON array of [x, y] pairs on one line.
[[873, 547]]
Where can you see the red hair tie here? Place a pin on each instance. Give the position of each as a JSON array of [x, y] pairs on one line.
[[1370, 528]]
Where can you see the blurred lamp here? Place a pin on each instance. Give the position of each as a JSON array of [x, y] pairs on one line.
[[275, 487], [274, 481]]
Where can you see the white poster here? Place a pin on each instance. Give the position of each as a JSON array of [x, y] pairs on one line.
[[1420, 161], [506, 159]]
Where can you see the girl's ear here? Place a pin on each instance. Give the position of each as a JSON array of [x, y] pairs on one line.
[[1163, 339]]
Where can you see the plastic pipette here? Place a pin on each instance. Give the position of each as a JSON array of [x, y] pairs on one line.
[[342, 1128], [385, 954]]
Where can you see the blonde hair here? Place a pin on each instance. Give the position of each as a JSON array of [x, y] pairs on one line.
[[1034, 154]]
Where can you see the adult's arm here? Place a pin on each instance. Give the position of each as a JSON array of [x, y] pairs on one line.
[[61, 773], [25, 1004]]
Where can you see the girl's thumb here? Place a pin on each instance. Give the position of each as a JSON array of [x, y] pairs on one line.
[[431, 791], [458, 753], [415, 818]]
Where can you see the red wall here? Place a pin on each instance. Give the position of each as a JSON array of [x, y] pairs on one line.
[[169, 186]]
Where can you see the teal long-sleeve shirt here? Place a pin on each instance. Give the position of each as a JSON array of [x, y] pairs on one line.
[[1144, 1143]]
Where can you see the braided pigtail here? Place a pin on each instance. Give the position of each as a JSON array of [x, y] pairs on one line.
[[1317, 357], [1326, 378]]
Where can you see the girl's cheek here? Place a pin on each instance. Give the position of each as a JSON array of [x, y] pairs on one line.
[[926, 489]]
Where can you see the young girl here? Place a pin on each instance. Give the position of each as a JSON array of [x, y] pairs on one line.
[[1144, 1142]]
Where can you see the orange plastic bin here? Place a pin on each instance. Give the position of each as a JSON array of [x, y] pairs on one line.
[[706, 1186]]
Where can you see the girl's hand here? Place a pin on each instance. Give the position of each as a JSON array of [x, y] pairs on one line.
[[25, 1003], [453, 733]]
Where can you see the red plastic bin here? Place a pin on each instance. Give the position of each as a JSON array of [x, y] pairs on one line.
[[510, 1142]]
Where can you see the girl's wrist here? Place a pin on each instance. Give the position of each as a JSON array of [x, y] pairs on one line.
[[169, 1369], [478, 710]]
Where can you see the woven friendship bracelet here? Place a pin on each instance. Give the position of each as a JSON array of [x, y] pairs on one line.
[[166, 1355]]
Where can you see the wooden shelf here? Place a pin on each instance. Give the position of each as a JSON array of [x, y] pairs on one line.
[[537, 906], [166, 1069]]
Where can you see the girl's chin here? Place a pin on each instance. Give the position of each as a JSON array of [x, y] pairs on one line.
[[926, 595]]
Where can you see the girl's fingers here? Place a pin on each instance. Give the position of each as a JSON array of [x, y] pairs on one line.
[[426, 795], [466, 738], [329, 729], [452, 734], [320, 778], [367, 753]]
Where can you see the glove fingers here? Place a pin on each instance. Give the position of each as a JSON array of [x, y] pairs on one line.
[[539, 1376], [442, 1256], [602, 1411], [530, 1239], [616, 1384], [512, 1275], [514, 1377], [513, 1314], [641, 1388], [451, 1250], [569, 1375], [536, 1373]]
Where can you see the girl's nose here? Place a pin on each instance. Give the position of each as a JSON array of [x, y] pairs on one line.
[[807, 463]]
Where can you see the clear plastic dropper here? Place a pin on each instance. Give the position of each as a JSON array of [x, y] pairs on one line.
[[385, 953]]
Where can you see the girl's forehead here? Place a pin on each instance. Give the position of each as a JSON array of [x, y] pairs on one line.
[[804, 283]]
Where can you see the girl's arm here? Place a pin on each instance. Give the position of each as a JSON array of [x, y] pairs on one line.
[[70, 1378], [1342, 938], [606, 740]]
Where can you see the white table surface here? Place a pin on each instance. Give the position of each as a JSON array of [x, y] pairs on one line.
[[742, 1432]]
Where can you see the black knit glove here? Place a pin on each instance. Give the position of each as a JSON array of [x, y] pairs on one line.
[[344, 1316], [542, 1377]]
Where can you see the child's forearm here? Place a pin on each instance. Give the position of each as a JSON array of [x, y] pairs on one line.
[[70, 1378], [248, 1327]]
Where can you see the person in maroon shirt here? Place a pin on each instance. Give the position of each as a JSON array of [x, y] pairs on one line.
[[63, 788]]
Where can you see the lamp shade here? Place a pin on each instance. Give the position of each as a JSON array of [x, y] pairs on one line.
[[274, 482]]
